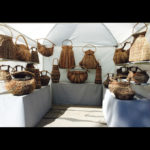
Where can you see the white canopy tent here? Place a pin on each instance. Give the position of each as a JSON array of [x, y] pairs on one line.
[[105, 36]]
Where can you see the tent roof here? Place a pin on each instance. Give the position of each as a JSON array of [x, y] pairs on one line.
[[99, 34]]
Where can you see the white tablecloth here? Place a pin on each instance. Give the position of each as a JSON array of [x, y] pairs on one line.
[[77, 94], [24, 111], [125, 113]]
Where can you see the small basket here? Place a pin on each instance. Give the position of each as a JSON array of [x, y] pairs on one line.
[[45, 78], [5, 74], [34, 55]]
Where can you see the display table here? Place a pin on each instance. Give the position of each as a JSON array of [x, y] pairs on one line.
[[77, 94], [24, 111], [125, 113]]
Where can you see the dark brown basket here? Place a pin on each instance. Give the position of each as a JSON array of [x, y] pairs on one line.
[[138, 76], [77, 76], [43, 50], [121, 55], [23, 82], [45, 78], [7, 47], [23, 51], [5, 74], [34, 55], [89, 61], [55, 74], [98, 77], [67, 59]]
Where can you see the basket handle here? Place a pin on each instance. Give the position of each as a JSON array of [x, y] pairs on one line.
[[46, 39], [137, 24], [126, 44], [8, 29], [53, 61], [88, 46], [16, 68], [23, 38], [45, 72], [133, 67], [67, 40], [126, 68], [5, 66], [80, 67], [32, 48]]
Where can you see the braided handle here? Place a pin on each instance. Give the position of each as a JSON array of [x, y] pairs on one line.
[[16, 68], [88, 45], [5, 66], [8, 29], [23, 38], [45, 72], [32, 48], [45, 39], [137, 24], [67, 40]]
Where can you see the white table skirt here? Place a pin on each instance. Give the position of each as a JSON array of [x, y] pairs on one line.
[[125, 113], [77, 94], [24, 111]]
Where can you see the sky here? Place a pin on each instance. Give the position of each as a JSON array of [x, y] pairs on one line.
[[33, 30]]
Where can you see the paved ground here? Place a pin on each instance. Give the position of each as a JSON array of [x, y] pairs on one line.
[[73, 116]]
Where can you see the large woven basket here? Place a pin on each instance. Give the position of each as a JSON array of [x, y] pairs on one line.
[[140, 49], [77, 75], [23, 82]]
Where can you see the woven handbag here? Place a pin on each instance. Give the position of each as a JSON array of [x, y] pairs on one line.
[[121, 55], [43, 50], [140, 49], [55, 74], [23, 51], [45, 78], [77, 75], [5, 74], [22, 82], [34, 55], [7, 47], [67, 59], [89, 61]]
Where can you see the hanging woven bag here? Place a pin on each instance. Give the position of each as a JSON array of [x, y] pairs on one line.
[[43, 50], [7, 47], [140, 49], [55, 74], [77, 75], [45, 77], [67, 59], [121, 55], [23, 51], [89, 61], [34, 55]]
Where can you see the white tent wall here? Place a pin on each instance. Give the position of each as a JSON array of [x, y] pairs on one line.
[[103, 54]]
